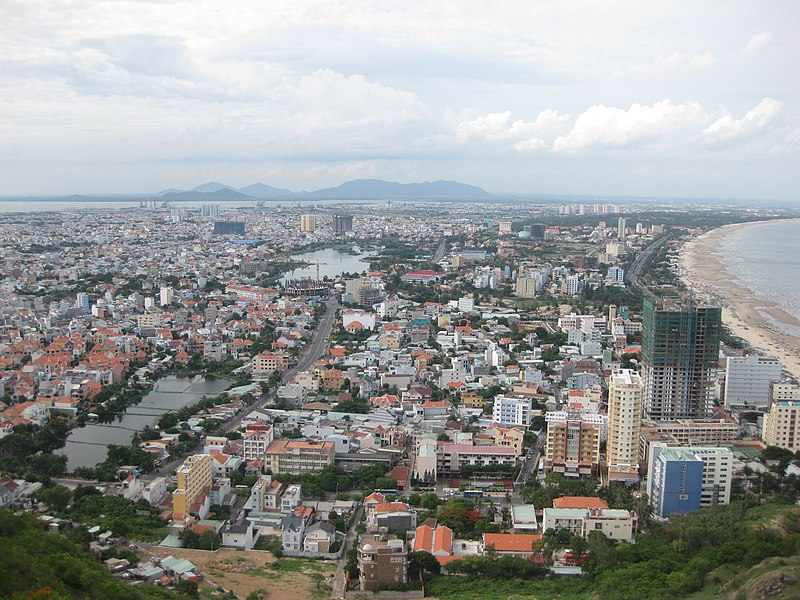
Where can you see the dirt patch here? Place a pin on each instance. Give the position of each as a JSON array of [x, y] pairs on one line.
[[244, 572]]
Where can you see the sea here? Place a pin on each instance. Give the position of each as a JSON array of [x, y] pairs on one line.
[[765, 258]]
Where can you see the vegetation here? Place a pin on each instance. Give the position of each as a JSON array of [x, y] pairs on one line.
[[669, 560], [333, 478], [38, 565]]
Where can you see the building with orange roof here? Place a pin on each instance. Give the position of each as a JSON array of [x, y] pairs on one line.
[[579, 502], [436, 540], [298, 456], [526, 545]]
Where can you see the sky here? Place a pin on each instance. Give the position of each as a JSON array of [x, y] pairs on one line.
[[665, 98]]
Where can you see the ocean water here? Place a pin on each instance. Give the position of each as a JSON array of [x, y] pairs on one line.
[[765, 257]]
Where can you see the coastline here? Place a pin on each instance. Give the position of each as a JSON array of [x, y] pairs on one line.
[[748, 317]]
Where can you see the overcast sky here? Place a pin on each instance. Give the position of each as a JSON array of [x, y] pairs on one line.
[[602, 97]]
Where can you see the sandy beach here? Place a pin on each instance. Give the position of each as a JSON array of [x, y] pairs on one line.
[[743, 313]]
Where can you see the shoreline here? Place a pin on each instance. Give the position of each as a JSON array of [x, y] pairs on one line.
[[758, 322]]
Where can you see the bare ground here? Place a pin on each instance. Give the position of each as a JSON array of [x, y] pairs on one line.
[[245, 572]]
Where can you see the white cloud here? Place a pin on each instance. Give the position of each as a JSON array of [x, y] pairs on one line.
[[606, 126], [521, 134], [756, 119], [675, 62], [758, 41]]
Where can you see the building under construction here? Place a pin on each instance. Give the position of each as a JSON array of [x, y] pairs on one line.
[[306, 287], [680, 351]]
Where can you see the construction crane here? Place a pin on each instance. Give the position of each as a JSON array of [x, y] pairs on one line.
[[318, 264]]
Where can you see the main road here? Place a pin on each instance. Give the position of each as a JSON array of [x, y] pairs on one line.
[[638, 264], [312, 352]]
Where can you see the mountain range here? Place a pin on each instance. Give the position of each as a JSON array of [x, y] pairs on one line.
[[357, 189]]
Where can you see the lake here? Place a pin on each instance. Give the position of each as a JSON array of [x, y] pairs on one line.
[[332, 263], [86, 446]]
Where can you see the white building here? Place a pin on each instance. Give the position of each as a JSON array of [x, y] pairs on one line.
[[748, 380], [510, 411], [625, 397], [615, 524], [166, 295], [781, 425], [255, 443]]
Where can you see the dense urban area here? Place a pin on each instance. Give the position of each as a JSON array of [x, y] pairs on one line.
[[389, 399]]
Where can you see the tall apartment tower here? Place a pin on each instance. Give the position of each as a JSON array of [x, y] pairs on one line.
[[621, 224], [342, 224], [748, 380], [625, 394], [573, 443], [680, 350], [308, 223]]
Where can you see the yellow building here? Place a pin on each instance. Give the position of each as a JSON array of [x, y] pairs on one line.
[[194, 482], [298, 456], [308, 223]]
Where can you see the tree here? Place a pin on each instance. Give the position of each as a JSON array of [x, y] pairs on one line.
[[57, 497], [421, 563]]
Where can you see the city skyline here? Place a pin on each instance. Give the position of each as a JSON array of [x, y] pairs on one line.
[[614, 98]]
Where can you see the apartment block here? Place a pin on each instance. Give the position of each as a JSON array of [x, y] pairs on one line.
[[625, 395], [512, 411], [684, 479], [451, 458], [573, 443], [298, 456], [680, 350], [748, 380], [193, 486], [781, 425]]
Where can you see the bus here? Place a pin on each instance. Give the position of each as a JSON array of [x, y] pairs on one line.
[[473, 493]]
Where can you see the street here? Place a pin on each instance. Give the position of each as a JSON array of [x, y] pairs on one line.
[[313, 351]]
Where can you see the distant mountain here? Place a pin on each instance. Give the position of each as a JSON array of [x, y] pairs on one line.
[[168, 191], [378, 189], [211, 186], [217, 195], [262, 190]]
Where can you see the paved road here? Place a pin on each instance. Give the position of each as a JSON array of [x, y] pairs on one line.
[[350, 538], [439, 254], [635, 270], [312, 352]]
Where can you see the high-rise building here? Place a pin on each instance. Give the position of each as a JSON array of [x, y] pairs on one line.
[[675, 482], [342, 224], [210, 210], [625, 393], [748, 380], [193, 487], [228, 228], [166, 295], [505, 227], [680, 349], [621, 224], [573, 442], [683, 480], [308, 223], [537, 231], [781, 425], [82, 302]]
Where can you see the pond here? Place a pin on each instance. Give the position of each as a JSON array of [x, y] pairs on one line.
[[87, 446], [332, 263]]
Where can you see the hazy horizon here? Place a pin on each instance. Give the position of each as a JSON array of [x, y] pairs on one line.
[[615, 98]]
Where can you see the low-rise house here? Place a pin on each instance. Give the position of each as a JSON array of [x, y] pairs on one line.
[[527, 545], [241, 535], [382, 560]]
